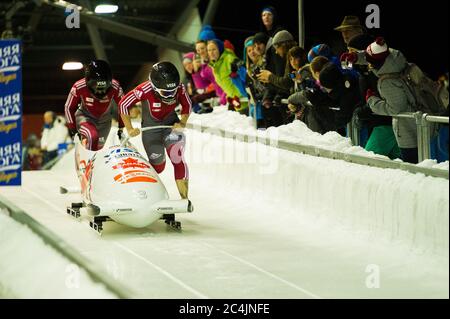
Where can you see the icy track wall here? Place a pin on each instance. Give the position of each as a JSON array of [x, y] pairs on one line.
[[29, 268], [380, 204]]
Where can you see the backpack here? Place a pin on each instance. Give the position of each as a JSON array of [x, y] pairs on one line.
[[430, 96]]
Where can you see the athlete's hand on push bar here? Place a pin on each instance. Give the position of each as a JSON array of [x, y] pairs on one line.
[[132, 132], [179, 125]]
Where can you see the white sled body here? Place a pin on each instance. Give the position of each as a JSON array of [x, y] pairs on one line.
[[120, 183]]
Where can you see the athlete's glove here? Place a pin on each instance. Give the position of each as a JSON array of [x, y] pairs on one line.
[[73, 132], [120, 134]]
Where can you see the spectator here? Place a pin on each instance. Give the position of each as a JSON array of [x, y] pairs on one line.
[[229, 74], [394, 96], [270, 27], [253, 63], [301, 74], [280, 84], [323, 50], [283, 42], [349, 28], [54, 133], [269, 21], [316, 66], [196, 96], [203, 76], [381, 139], [31, 154], [260, 42], [343, 89], [312, 104]]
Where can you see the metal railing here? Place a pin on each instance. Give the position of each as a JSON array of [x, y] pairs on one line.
[[423, 125], [321, 152]]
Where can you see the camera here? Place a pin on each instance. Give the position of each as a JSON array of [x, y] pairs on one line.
[[256, 71]]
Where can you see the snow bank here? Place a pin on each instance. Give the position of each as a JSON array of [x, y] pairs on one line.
[[383, 204], [29, 268], [295, 133]]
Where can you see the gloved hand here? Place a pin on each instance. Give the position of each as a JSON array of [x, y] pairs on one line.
[[349, 57], [120, 134], [293, 108], [267, 103], [236, 102], [370, 93], [72, 132], [361, 116]]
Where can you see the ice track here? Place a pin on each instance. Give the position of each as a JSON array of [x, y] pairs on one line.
[[237, 246]]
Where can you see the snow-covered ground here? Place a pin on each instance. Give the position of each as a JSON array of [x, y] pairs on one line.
[[29, 268]]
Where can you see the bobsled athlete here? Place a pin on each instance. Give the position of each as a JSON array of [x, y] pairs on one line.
[[159, 96], [89, 109]]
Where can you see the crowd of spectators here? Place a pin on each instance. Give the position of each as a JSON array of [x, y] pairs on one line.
[[276, 81], [324, 90]]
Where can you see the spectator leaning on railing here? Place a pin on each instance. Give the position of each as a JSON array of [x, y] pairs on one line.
[[312, 101], [381, 139], [394, 96], [343, 89]]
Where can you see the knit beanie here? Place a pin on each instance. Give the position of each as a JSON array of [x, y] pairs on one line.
[[377, 52], [247, 43], [268, 9], [282, 36], [261, 37], [330, 77], [228, 45], [206, 33], [319, 50], [188, 57]]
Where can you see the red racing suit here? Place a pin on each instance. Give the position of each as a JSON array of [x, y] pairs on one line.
[[154, 113], [90, 116]]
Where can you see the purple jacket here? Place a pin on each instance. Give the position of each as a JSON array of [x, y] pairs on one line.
[[203, 78]]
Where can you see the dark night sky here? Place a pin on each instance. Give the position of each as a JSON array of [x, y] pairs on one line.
[[420, 31]]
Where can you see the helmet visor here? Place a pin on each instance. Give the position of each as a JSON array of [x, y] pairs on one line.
[[167, 93]]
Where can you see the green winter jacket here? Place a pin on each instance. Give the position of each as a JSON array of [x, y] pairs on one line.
[[222, 70]]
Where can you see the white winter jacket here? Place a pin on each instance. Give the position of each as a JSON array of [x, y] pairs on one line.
[[55, 135]]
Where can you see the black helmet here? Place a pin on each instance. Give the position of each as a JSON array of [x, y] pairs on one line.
[[165, 79], [98, 77]]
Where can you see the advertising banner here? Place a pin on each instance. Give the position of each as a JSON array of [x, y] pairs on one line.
[[10, 113]]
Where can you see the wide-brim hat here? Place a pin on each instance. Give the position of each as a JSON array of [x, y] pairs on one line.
[[349, 22]]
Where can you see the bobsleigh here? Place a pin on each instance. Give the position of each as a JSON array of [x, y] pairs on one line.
[[119, 184]]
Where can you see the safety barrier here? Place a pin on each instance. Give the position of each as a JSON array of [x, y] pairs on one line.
[[423, 126], [320, 152]]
